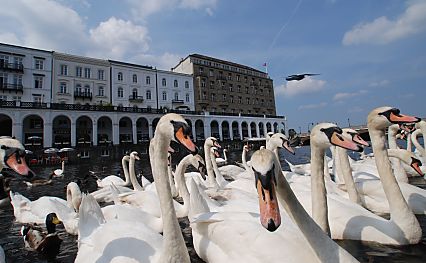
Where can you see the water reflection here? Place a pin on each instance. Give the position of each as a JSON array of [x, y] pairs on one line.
[[13, 245]]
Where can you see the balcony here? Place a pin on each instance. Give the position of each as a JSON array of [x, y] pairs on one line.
[[133, 98], [83, 95], [11, 87], [177, 101], [15, 67]]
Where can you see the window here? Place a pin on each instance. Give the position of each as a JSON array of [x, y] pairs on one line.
[[87, 73], [120, 92], [223, 97], [148, 80], [3, 78], [223, 84], [213, 97], [240, 100], [148, 94], [211, 74], [38, 82], [248, 101], [238, 77], [86, 89], [211, 84], [105, 152], [187, 97], [231, 99], [78, 71], [163, 82], [64, 70], [203, 83], [231, 88], [37, 98], [39, 63], [175, 83], [176, 96], [63, 87], [135, 93], [201, 70], [187, 84], [135, 78], [204, 95], [229, 76], [247, 90], [101, 91], [101, 74], [120, 76], [3, 97], [239, 88], [78, 88], [17, 80], [4, 59], [164, 95]]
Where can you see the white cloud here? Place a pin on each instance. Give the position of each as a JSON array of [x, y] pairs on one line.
[[347, 95], [380, 83], [143, 8], [292, 88], [383, 31], [164, 62], [356, 109], [116, 39], [312, 106]]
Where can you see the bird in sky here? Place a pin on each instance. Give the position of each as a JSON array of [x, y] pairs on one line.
[[299, 76]]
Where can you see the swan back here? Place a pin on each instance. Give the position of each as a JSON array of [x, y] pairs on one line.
[[90, 215]]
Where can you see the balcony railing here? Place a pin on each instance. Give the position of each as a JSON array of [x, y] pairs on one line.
[[83, 94], [11, 87], [18, 67], [134, 98], [177, 101]]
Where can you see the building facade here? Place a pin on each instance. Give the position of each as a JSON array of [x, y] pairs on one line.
[[227, 87], [80, 80], [25, 74], [175, 91]]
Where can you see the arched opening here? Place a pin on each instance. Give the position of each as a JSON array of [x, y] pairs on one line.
[[84, 127], [199, 130], [275, 127], [61, 131], [142, 130], [125, 130], [244, 127], [268, 127], [5, 125], [154, 125], [253, 130], [214, 126], [235, 131], [104, 130], [225, 130], [261, 130], [32, 131], [190, 126]]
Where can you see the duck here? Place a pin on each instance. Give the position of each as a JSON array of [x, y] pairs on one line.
[[46, 243], [12, 155], [35, 181], [257, 236], [103, 241]]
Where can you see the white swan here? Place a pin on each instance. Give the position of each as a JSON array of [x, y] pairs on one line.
[[238, 237], [60, 172], [12, 155], [120, 241], [211, 179], [115, 179], [27, 211]]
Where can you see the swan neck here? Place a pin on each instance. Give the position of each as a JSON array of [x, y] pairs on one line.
[[219, 177], [319, 193], [180, 181], [133, 179], [124, 162], [209, 167], [348, 179]]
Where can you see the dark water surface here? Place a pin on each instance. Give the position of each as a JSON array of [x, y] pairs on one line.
[[12, 242]]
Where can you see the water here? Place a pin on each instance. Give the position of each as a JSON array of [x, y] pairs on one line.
[[12, 243]]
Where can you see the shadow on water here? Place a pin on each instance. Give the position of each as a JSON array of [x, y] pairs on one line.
[[12, 243]]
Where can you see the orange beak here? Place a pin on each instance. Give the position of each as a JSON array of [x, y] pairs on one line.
[[270, 217], [339, 140], [288, 147], [185, 140], [400, 118], [416, 166], [357, 139]]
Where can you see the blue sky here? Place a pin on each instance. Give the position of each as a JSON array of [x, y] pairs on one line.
[[370, 53]]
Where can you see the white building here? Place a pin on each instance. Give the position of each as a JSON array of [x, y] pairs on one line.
[[25, 74], [175, 90], [80, 80]]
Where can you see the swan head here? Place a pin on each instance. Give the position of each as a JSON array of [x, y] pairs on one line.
[[382, 117], [175, 128], [408, 158], [12, 155], [246, 147], [354, 136], [280, 140], [212, 142], [264, 167], [324, 135], [215, 152], [134, 155], [198, 162]]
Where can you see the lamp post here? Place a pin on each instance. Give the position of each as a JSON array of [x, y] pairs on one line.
[[300, 130], [349, 123]]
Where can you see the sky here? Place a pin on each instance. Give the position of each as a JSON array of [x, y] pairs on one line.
[[368, 53]]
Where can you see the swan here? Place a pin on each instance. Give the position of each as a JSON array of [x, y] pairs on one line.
[[27, 211], [60, 172], [120, 241], [12, 155], [115, 179], [214, 154], [222, 161], [211, 179], [46, 243], [403, 227], [238, 236]]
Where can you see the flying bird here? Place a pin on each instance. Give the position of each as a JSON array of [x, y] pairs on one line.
[[299, 76]]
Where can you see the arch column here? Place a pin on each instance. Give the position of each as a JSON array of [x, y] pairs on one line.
[[95, 132], [257, 130], [150, 130], [47, 135], [207, 130], [240, 130], [73, 134], [134, 133], [115, 133], [220, 131], [249, 129], [231, 133], [17, 130], [194, 134], [265, 130]]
